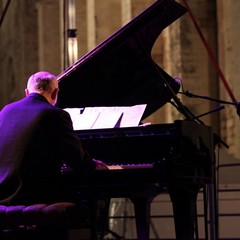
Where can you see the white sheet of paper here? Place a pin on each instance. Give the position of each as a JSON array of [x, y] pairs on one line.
[[132, 115], [106, 117], [81, 121]]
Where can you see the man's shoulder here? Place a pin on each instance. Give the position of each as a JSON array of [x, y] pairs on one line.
[[57, 113]]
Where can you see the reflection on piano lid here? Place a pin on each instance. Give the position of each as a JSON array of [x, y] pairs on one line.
[[120, 70]]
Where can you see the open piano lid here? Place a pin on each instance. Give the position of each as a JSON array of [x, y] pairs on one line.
[[120, 70]]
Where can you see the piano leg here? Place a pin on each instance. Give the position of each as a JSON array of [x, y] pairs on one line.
[[184, 209], [142, 207], [98, 217]]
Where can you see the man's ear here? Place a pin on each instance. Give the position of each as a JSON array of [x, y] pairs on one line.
[[26, 92], [54, 94]]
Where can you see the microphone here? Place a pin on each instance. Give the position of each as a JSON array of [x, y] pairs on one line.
[[178, 80]]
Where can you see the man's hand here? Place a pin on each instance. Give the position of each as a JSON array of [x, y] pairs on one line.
[[100, 165]]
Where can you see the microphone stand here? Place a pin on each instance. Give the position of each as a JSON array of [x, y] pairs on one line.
[[211, 187], [216, 137], [211, 111]]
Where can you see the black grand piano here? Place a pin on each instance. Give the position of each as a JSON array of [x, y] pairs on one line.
[[174, 157]]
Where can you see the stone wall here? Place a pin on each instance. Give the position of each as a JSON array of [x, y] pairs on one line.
[[18, 44]]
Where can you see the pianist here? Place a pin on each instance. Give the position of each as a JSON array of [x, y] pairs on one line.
[[37, 138]]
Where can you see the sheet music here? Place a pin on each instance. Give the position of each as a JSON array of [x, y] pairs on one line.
[[132, 115], [106, 117]]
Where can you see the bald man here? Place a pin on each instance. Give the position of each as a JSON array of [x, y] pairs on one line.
[[37, 138]]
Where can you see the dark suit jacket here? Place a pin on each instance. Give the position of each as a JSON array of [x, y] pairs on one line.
[[36, 138]]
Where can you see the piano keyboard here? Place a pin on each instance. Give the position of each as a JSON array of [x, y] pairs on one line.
[[66, 169], [129, 166]]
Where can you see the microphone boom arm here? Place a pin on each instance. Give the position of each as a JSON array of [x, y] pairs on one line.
[[188, 94]]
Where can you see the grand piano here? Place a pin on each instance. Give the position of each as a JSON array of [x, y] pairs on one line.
[[176, 157]]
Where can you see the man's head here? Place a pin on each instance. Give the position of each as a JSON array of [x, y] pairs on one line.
[[45, 84]]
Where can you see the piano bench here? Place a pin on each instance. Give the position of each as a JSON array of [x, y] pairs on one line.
[[41, 221]]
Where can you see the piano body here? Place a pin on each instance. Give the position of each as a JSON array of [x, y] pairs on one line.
[[121, 72]]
